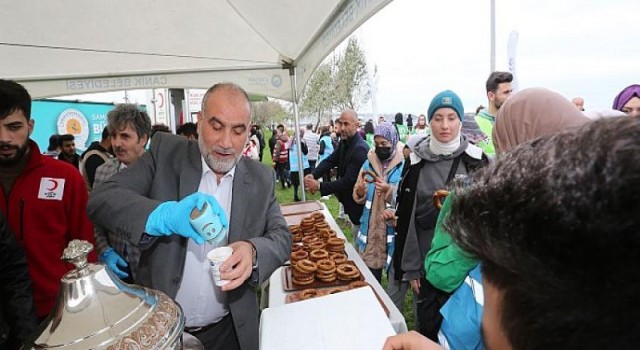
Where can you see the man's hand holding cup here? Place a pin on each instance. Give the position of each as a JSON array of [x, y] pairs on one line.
[[235, 268]]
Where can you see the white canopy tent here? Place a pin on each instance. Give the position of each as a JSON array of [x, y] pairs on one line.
[[70, 47]]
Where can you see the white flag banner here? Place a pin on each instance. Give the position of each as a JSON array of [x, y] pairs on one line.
[[511, 50], [161, 101]]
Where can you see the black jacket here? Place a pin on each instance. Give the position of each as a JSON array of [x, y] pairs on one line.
[[92, 162], [348, 157], [272, 142], [406, 200], [17, 313]]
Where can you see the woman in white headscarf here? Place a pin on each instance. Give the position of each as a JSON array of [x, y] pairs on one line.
[[436, 160], [526, 115]]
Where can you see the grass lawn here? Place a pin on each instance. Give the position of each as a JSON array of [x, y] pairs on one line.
[[285, 196]]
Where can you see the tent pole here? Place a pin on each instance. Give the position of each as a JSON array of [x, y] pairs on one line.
[[294, 98], [493, 36]]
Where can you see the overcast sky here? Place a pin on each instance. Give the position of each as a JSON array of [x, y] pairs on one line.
[[578, 48]]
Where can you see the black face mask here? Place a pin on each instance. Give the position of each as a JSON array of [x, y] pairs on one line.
[[383, 153]]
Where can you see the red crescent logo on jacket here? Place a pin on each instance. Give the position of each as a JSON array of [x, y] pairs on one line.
[[51, 188], [54, 185]]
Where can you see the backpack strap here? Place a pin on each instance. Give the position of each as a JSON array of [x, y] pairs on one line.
[[83, 170], [454, 168], [473, 164]]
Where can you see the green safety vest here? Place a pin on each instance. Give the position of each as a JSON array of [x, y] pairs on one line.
[[403, 132], [485, 122]]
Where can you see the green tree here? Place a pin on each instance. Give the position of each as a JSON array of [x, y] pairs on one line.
[[352, 86], [317, 98], [267, 113]]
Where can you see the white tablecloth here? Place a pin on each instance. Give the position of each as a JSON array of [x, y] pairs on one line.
[[276, 293]]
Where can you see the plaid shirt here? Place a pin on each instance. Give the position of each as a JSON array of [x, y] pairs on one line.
[[128, 250]]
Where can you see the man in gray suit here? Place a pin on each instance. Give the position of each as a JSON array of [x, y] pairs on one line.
[[150, 203], [129, 130]]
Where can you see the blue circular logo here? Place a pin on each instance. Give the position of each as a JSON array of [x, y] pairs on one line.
[[276, 80]]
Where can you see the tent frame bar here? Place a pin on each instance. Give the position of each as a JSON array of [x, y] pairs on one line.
[[294, 98], [133, 74]]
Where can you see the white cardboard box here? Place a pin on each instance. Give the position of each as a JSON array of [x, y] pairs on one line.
[[352, 319]]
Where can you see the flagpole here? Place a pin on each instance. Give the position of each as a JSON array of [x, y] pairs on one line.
[[493, 35]]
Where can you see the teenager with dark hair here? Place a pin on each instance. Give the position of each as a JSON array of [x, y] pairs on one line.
[[558, 239], [555, 225]]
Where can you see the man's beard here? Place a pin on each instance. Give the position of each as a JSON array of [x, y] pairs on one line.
[[20, 152], [219, 166]]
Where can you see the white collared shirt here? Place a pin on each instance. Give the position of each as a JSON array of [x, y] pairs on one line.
[[201, 300]]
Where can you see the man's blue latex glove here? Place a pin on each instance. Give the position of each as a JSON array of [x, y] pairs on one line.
[[173, 217], [114, 262]]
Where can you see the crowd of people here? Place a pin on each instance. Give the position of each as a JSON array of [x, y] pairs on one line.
[[534, 246]]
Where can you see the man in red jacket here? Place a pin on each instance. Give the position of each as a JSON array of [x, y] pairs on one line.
[[43, 199]]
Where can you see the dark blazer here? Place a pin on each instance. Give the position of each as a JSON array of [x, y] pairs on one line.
[[170, 171], [354, 153]]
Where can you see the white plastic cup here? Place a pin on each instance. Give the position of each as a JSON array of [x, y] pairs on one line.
[[216, 257]]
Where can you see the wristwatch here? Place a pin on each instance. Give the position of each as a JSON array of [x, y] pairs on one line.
[[254, 264], [254, 278]]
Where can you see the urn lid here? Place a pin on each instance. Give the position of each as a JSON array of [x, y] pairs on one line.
[[96, 310]]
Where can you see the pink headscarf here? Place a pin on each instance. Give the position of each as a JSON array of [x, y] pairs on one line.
[[532, 113]]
